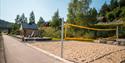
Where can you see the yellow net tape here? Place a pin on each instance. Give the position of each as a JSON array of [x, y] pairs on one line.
[[84, 27], [85, 39]]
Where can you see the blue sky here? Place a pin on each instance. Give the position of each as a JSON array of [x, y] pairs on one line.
[[45, 8]]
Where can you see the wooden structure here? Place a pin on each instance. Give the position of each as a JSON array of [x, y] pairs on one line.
[[29, 30]]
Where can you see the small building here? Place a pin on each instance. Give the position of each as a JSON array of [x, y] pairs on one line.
[[29, 30]]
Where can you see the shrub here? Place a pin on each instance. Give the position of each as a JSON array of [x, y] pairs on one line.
[[110, 16], [50, 32], [89, 34]]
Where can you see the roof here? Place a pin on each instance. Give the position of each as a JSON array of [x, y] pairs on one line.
[[29, 26]]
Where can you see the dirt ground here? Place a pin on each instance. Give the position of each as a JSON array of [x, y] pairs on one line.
[[85, 52]]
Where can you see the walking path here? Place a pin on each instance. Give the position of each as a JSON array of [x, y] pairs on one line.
[[17, 52]]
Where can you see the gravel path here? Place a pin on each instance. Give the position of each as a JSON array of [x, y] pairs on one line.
[[84, 52]]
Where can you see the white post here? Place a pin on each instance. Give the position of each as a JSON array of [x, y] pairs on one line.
[[62, 38], [117, 34]]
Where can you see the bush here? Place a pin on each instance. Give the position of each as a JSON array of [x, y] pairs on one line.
[[122, 14], [50, 32], [110, 16], [15, 29], [89, 34]]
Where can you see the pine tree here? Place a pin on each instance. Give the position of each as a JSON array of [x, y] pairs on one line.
[[26, 21], [121, 3], [22, 19], [40, 22], [17, 19], [113, 4], [56, 20], [105, 8], [93, 12], [32, 17]]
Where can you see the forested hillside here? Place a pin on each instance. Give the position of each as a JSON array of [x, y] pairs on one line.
[[5, 24], [112, 15]]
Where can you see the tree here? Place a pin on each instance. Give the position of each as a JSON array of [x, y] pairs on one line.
[[121, 3], [93, 12], [26, 20], [110, 16], [56, 20], [15, 28], [105, 8], [23, 19], [17, 19], [113, 4], [32, 17], [40, 22], [77, 7], [78, 14]]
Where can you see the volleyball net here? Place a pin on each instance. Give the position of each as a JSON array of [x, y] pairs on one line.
[[80, 30]]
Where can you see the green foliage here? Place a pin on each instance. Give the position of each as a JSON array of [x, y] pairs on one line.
[[77, 10], [50, 32], [15, 28], [41, 22], [80, 14], [89, 34], [56, 20], [121, 3], [17, 20], [110, 16], [123, 12], [117, 12], [105, 8], [32, 17], [113, 4], [22, 19], [93, 12]]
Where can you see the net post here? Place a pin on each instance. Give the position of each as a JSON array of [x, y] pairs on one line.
[[62, 29]]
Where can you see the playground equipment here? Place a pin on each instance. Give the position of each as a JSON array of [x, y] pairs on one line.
[[84, 27]]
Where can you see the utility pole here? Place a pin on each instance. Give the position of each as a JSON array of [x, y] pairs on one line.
[[62, 29]]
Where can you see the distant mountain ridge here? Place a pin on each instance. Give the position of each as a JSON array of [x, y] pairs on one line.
[[5, 24]]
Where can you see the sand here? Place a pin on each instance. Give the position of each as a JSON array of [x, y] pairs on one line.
[[85, 52]]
